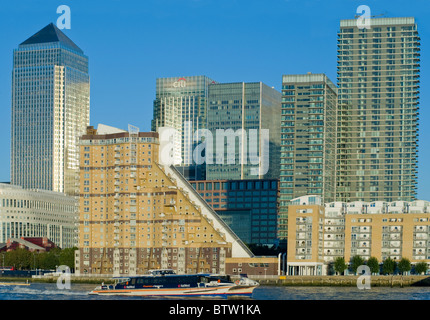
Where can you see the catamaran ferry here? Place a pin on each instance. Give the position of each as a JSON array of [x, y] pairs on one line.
[[166, 283]]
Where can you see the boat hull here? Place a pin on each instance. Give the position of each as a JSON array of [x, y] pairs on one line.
[[224, 291]]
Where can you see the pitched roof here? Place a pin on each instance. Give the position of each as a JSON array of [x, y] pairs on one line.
[[51, 34]]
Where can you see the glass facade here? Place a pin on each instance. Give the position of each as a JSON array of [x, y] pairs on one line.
[[181, 103], [249, 207], [378, 80], [308, 140], [239, 108], [50, 110]]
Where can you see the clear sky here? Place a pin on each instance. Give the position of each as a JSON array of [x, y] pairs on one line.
[[131, 43]]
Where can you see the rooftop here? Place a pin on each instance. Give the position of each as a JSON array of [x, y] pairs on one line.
[[51, 33]]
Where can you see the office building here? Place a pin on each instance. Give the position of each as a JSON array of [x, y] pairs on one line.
[[244, 121], [38, 214], [378, 81], [50, 110], [181, 104], [136, 214], [249, 207], [308, 140]]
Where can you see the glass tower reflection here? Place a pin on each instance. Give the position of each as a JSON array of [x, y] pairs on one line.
[[50, 110]]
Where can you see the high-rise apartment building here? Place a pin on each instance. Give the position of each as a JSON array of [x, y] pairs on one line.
[[181, 104], [50, 110], [378, 81], [308, 140], [244, 120], [136, 214]]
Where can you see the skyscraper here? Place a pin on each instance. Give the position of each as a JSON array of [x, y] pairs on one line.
[[244, 112], [308, 140], [50, 110], [181, 103], [378, 80]]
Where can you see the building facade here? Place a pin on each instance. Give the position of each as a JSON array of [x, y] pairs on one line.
[[181, 104], [50, 110], [378, 80], [377, 229], [136, 214], [306, 234], [244, 121], [249, 207], [38, 214], [308, 140]]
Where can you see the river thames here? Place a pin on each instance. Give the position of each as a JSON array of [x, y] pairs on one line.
[[49, 291]]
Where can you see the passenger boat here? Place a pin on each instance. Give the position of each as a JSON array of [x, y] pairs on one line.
[[167, 283]]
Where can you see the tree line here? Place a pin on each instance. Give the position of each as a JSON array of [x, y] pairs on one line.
[[22, 259], [389, 266]]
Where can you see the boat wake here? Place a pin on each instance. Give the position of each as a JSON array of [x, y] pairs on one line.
[[33, 292]]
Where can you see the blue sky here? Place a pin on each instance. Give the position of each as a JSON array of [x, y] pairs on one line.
[[131, 43]]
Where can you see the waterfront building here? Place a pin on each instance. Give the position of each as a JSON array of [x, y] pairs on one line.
[[243, 112], [181, 104], [308, 141], [377, 229], [305, 239], [334, 231], [378, 102], [38, 214], [136, 214], [50, 110], [249, 207]]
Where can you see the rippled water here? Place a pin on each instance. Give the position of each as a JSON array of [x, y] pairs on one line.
[[49, 291]]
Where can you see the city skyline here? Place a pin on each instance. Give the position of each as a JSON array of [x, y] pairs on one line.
[[105, 97]]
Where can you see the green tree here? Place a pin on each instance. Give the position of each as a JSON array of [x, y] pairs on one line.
[[67, 257], [373, 264], [19, 258], [404, 265], [49, 260], [356, 261], [421, 267], [388, 266], [340, 265]]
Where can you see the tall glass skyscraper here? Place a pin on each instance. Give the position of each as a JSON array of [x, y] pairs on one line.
[[244, 109], [50, 111], [181, 103], [378, 80], [308, 141]]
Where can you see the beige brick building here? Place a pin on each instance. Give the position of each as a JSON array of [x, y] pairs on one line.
[[319, 233], [137, 215]]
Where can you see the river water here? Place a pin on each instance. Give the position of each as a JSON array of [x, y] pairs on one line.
[[49, 291]]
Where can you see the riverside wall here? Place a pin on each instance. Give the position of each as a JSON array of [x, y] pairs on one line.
[[346, 281]]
